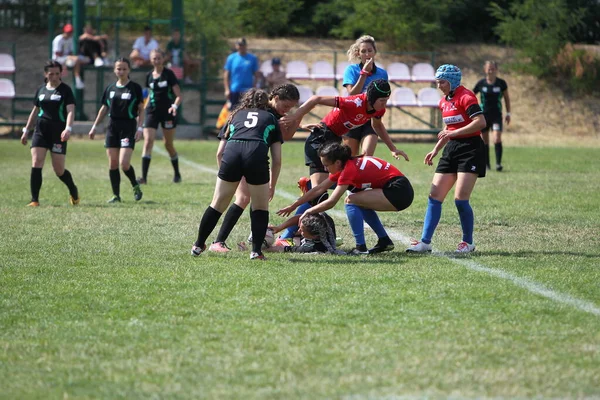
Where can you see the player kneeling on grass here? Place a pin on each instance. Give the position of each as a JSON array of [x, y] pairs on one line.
[[251, 131], [389, 190], [317, 231]]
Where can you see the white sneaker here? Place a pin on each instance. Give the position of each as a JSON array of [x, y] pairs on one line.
[[79, 83], [419, 247], [98, 62], [464, 247]]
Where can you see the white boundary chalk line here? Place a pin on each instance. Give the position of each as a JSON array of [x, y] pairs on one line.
[[524, 283]]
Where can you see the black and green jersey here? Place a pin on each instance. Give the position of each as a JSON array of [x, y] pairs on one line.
[[161, 94], [122, 101], [491, 95], [255, 125], [53, 102]]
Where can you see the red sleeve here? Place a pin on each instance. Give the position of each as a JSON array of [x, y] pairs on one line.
[[348, 174], [468, 99], [334, 177]]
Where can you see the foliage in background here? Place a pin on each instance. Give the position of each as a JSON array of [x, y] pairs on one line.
[[579, 69], [266, 17]]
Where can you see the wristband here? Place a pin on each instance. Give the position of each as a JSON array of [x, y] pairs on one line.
[[508, 114], [25, 130], [363, 72], [69, 128], [94, 127], [175, 106], [140, 129]]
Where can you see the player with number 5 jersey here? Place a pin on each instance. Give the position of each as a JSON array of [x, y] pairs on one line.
[[375, 185], [250, 133]]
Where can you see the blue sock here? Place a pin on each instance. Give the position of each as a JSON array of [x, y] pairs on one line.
[[432, 217], [291, 231], [355, 218], [372, 219], [467, 221]]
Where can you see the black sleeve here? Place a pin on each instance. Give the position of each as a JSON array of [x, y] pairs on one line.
[[276, 133], [104, 101], [171, 78], [503, 85], [221, 135], [36, 98], [148, 76], [69, 97], [139, 95], [474, 110], [477, 87]]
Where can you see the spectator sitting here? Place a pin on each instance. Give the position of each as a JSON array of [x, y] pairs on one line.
[[277, 76], [62, 52], [179, 58], [93, 46], [140, 56]]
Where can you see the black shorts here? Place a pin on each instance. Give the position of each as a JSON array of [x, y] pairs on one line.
[[463, 155], [245, 158], [493, 121], [399, 192], [121, 134], [361, 132], [317, 138], [47, 135], [155, 117]]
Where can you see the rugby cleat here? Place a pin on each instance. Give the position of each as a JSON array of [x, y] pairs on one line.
[[197, 250], [141, 181], [256, 256], [34, 204], [419, 247], [464, 247], [304, 184], [359, 250], [137, 192], [177, 179], [114, 199], [383, 244], [219, 247]]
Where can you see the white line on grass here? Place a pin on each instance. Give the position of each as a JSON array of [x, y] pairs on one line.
[[527, 284]]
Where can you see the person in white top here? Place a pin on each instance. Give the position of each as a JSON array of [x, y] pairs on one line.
[[140, 56], [62, 51]]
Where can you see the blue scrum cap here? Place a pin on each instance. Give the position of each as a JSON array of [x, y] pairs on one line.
[[450, 73]]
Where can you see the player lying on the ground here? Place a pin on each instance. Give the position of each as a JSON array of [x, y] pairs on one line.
[[317, 231]]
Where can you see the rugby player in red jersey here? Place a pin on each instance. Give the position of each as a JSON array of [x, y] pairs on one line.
[[376, 185], [462, 161]]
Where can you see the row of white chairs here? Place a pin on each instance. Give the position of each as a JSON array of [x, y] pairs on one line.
[[400, 97], [7, 66], [321, 70]]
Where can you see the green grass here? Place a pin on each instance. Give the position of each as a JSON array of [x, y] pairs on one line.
[[104, 301]]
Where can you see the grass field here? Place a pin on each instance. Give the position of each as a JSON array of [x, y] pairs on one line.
[[104, 301]]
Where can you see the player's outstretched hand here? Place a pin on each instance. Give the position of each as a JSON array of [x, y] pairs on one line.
[[286, 211], [398, 153]]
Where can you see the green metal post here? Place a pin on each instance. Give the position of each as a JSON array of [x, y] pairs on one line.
[[78, 22], [177, 20]]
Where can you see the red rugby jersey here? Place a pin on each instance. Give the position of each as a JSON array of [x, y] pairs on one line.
[[366, 172], [349, 112], [454, 110]]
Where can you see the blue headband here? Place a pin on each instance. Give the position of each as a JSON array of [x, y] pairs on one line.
[[450, 73]]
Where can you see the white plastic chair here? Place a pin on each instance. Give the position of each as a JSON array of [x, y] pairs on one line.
[[339, 70], [7, 89], [422, 72], [305, 93], [266, 67], [327, 91], [402, 97], [7, 64], [297, 70], [428, 97], [398, 72], [322, 70]]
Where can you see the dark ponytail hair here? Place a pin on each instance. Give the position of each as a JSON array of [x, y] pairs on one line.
[[336, 151], [285, 91], [52, 64], [318, 225], [253, 98]]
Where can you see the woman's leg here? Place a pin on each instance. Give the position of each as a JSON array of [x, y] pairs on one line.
[[259, 217], [38, 156], [168, 138], [58, 164], [498, 149], [149, 136], [125, 162], [464, 187], [369, 143], [354, 144], [235, 211], [113, 172], [222, 196]]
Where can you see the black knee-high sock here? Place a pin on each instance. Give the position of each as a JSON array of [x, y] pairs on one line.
[[115, 181], [145, 166], [67, 179], [35, 183], [207, 225], [498, 150], [231, 218], [259, 221], [487, 155], [175, 163], [130, 173]]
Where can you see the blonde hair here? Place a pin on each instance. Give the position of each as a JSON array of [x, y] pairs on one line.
[[490, 62], [354, 51]]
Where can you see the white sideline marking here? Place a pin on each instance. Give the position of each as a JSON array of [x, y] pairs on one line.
[[527, 284]]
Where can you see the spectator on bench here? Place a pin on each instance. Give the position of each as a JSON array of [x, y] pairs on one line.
[[179, 58], [93, 46], [277, 76], [62, 52], [140, 56]]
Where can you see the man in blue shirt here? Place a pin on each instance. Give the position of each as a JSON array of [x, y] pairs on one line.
[[241, 72]]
